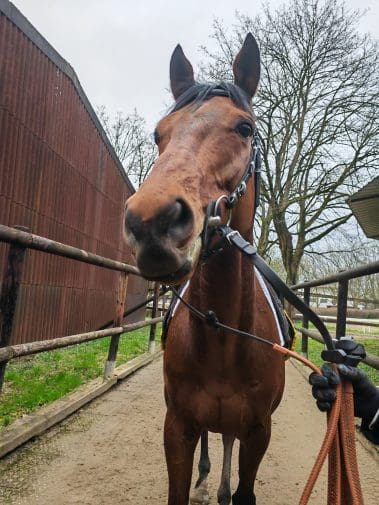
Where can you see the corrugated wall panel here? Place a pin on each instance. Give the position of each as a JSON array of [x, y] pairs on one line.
[[58, 177]]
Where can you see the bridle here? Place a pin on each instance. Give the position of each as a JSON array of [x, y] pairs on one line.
[[212, 220], [253, 167], [213, 225]]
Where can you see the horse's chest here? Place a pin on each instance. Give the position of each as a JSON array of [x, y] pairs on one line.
[[223, 406], [225, 390]]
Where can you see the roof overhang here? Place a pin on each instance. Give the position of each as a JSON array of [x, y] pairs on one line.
[[365, 207]]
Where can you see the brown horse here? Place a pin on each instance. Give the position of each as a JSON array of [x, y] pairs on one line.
[[214, 380]]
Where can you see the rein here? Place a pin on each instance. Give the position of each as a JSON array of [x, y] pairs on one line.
[[211, 319], [246, 248]]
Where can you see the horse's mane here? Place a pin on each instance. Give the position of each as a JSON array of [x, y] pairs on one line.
[[198, 93]]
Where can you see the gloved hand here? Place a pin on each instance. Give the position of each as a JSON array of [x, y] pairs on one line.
[[324, 387], [366, 396]]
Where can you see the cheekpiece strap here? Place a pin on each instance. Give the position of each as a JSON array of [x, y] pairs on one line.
[[253, 167]]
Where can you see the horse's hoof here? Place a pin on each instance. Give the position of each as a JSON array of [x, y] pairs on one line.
[[243, 500], [204, 500], [200, 495]]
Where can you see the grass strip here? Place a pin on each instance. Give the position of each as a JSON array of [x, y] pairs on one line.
[[33, 381]]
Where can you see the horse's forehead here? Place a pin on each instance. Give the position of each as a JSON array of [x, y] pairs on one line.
[[215, 111]]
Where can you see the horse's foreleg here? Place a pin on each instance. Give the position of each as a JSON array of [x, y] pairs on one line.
[[204, 462], [223, 494], [200, 494], [252, 450], [180, 441]]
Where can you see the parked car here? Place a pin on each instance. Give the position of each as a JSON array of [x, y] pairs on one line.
[[325, 303]]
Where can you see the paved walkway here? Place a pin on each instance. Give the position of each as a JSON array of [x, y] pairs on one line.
[[111, 452]]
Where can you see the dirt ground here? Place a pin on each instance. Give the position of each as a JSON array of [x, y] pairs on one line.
[[111, 452]]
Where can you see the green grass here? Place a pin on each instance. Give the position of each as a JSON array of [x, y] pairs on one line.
[[33, 381]]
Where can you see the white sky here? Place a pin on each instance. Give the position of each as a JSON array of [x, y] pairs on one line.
[[120, 49]]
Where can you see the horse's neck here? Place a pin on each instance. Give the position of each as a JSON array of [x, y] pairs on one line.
[[225, 284]]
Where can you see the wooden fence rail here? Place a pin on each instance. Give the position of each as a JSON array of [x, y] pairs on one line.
[[20, 241], [24, 240], [38, 243], [16, 351], [354, 321]]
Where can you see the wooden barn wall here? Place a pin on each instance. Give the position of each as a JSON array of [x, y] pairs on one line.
[[60, 178]]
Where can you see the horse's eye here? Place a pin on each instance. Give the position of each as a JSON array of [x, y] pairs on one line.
[[245, 130], [156, 137]]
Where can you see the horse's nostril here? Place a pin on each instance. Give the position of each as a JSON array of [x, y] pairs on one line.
[[181, 221], [133, 224], [173, 211], [184, 213]]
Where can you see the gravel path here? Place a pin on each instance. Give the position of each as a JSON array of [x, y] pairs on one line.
[[111, 452]]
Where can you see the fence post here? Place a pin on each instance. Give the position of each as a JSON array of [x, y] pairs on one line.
[[9, 293], [120, 307], [343, 289], [154, 311], [304, 338]]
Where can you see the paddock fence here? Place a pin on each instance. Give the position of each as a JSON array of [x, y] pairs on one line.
[[341, 320], [20, 241]]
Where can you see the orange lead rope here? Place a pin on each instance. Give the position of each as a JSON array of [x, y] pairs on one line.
[[344, 486], [350, 487]]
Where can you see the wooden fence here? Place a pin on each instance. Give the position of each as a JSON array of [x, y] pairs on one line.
[[20, 241], [342, 278]]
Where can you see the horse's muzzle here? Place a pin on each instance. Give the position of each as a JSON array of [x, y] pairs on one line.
[[162, 243], [159, 263]]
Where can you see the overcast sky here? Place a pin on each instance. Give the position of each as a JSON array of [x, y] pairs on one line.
[[120, 49]]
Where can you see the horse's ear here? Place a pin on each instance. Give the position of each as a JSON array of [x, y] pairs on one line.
[[181, 72], [247, 66]]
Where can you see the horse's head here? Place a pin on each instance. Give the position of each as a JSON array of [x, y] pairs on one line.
[[204, 147]]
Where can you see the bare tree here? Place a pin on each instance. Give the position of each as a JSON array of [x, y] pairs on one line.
[[318, 118], [132, 144]]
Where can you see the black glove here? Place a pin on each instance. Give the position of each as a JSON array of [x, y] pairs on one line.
[[366, 396], [366, 401], [324, 387]]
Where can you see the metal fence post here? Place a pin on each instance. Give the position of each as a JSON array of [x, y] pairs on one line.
[[343, 289], [304, 338], [9, 293], [154, 311], [120, 306]]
